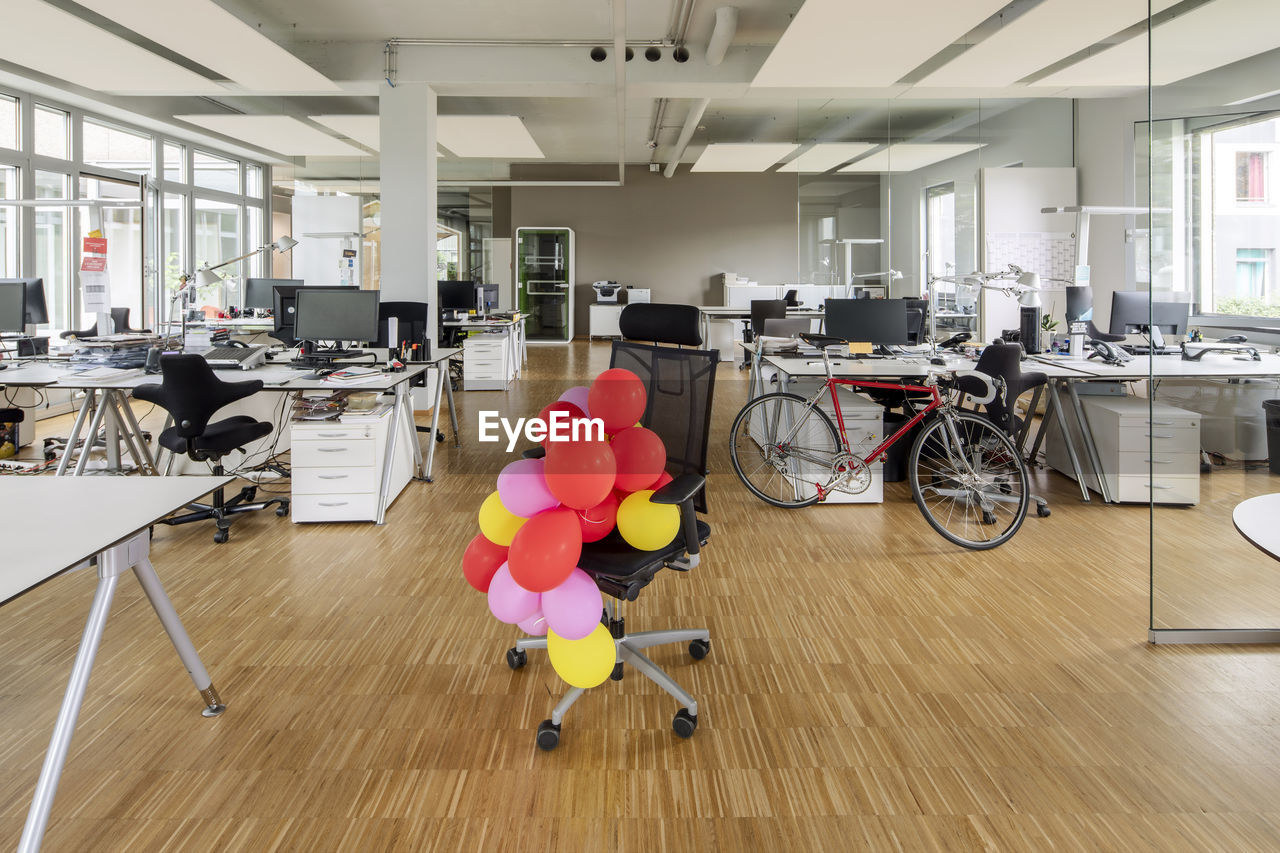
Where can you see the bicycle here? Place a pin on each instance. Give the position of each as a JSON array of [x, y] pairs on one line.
[[966, 475]]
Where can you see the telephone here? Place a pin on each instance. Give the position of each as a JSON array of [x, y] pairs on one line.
[[955, 340], [1108, 352], [1233, 339]]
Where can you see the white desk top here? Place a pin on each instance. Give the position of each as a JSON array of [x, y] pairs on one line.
[[1212, 365], [482, 324], [726, 311], [90, 514], [266, 323], [1256, 521], [886, 368]]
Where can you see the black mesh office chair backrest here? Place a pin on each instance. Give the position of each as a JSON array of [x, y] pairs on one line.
[[661, 322], [680, 385], [766, 309], [413, 317], [191, 392]]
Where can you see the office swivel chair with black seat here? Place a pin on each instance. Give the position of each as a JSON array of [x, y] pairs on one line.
[[119, 320], [191, 393], [1004, 362], [1094, 333], [791, 298], [761, 310], [680, 383]]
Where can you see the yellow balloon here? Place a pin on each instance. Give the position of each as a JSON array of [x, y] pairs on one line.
[[583, 663], [647, 526], [497, 524]]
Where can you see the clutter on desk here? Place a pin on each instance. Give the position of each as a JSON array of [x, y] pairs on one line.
[[115, 351], [319, 408]]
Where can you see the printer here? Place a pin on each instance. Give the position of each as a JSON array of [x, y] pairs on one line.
[[606, 291]]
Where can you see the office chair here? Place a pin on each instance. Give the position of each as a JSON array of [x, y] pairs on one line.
[[1098, 335], [119, 320], [191, 393], [680, 384], [790, 298], [412, 319], [761, 310], [1004, 362]]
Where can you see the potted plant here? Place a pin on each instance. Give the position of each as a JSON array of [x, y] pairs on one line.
[[1047, 326]]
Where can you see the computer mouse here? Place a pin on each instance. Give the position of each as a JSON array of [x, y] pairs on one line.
[[938, 360]]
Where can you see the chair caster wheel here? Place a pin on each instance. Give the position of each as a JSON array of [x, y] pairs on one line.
[[988, 517], [616, 675], [1043, 511], [282, 510], [439, 437], [220, 535], [699, 649], [516, 658], [684, 724], [548, 736]]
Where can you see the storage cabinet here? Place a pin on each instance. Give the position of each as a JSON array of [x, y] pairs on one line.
[[1144, 451], [337, 467], [487, 363], [603, 320]]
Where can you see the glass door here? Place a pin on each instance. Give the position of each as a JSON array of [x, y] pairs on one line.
[[545, 282]]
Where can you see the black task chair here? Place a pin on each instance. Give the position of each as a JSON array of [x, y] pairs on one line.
[[1098, 335], [191, 392], [761, 310], [680, 384], [119, 320], [790, 297], [1004, 362]]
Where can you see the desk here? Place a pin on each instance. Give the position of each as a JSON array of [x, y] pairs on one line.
[[724, 312], [1256, 521], [509, 362], [119, 538]]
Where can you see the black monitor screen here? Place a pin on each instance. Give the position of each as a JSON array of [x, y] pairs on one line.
[[336, 314], [875, 321], [1079, 303], [13, 306], [457, 295], [258, 291], [1133, 310]]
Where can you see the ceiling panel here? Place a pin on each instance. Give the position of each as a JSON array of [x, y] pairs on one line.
[[208, 34], [1207, 37], [825, 156], [363, 129], [51, 41], [741, 157], [866, 42], [1043, 35], [284, 134], [908, 156], [503, 137]]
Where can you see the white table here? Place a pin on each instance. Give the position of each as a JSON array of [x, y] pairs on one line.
[[724, 312], [1256, 521], [111, 519]]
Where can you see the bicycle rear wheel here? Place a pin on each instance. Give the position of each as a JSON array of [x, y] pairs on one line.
[[782, 450], [969, 483]]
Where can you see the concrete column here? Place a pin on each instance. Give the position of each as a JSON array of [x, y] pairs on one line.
[[407, 177]]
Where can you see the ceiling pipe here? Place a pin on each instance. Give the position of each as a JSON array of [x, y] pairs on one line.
[[722, 34], [686, 133], [620, 82]]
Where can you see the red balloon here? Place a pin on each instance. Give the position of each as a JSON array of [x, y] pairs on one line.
[[580, 473], [617, 398], [641, 457], [545, 550], [662, 480], [598, 522], [560, 406], [481, 560]]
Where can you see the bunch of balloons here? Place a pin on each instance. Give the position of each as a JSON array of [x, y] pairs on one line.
[[533, 526]]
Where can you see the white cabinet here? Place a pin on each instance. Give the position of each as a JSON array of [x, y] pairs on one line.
[[487, 363], [1144, 451], [603, 320], [863, 423], [337, 467]]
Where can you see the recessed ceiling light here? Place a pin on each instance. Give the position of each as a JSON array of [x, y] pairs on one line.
[[284, 134], [204, 32], [741, 156], [59, 44], [910, 156], [498, 137], [825, 156]]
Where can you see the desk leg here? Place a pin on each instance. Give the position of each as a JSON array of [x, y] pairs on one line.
[[412, 429], [389, 459], [94, 426], [1087, 436], [131, 421], [109, 569], [442, 379], [146, 575], [453, 410], [1067, 442], [72, 439], [131, 435]]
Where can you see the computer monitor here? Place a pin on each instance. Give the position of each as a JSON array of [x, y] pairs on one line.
[[1079, 303], [876, 321], [487, 297], [916, 324], [457, 295], [336, 314], [13, 306], [1133, 310], [258, 292], [283, 307]]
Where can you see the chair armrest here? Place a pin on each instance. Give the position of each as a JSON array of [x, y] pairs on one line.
[[534, 453], [679, 490]]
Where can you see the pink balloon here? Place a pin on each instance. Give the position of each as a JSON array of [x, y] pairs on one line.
[[522, 488], [573, 608], [508, 601], [535, 625], [578, 396]]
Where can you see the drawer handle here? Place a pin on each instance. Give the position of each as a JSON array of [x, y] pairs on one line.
[[331, 450], [343, 476], [1159, 461], [1159, 423], [1151, 486], [1158, 435], [331, 434], [333, 503]]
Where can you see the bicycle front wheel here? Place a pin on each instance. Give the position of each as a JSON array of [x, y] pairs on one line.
[[783, 449], [968, 480]]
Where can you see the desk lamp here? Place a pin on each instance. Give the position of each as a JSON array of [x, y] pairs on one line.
[[205, 275]]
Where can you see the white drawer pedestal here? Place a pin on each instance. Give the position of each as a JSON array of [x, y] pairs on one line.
[[487, 363], [338, 465]]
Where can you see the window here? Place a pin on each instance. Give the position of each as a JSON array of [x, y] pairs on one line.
[[940, 228], [216, 173], [52, 132], [105, 145], [175, 163], [1252, 266], [8, 222], [217, 238], [8, 122], [1251, 177], [253, 181], [52, 184], [173, 251]]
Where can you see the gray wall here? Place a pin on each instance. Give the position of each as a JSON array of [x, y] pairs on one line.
[[671, 235]]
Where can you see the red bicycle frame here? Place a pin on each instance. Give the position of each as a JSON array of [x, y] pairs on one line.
[[931, 390]]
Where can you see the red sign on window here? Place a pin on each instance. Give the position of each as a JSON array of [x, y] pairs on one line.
[[95, 245]]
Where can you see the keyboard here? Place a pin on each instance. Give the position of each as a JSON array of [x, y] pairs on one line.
[[244, 358]]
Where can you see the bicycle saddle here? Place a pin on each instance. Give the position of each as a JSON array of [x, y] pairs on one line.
[[822, 341]]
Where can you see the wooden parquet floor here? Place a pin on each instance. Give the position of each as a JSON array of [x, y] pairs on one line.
[[870, 687]]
